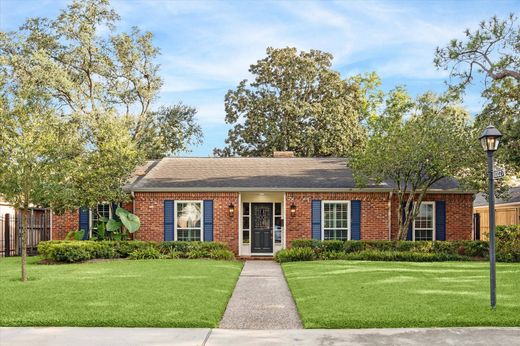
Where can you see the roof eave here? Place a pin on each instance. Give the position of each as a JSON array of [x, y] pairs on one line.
[[285, 189]]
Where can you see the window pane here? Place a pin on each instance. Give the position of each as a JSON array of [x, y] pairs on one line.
[[278, 209], [245, 222], [190, 234], [423, 234], [188, 215], [245, 237], [278, 229], [245, 208], [424, 223], [101, 211]]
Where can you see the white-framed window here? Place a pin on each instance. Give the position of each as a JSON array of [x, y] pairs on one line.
[[278, 223], [246, 222], [424, 223], [188, 221], [335, 220], [102, 210]]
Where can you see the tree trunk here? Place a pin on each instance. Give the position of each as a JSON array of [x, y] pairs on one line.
[[25, 221]]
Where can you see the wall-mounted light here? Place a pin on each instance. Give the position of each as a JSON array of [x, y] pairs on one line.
[[293, 210], [231, 210]]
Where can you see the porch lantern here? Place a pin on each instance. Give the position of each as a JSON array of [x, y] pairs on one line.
[[231, 210], [490, 139], [293, 210]]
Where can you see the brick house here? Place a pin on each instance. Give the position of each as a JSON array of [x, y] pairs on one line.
[[259, 205]]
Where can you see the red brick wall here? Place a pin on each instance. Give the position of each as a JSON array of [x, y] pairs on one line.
[[62, 224], [374, 213], [459, 215], [149, 206]]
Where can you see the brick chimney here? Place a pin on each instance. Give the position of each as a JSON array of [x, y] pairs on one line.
[[283, 154]]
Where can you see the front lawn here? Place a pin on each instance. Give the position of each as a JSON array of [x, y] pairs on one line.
[[122, 293], [354, 294]]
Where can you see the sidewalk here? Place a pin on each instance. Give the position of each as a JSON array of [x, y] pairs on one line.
[[261, 300], [64, 336]]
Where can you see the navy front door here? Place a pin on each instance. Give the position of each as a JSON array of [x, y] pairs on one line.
[[262, 227]]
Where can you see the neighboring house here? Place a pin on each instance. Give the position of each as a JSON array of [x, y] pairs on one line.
[[260, 205], [507, 212], [6, 208]]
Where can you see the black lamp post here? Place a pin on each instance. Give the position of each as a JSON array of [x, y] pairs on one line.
[[490, 139]]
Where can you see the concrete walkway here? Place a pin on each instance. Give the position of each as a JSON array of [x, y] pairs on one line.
[[63, 336], [261, 300]]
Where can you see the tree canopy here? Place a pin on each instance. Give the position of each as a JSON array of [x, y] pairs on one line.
[[89, 70], [297, 102], [413, 144], [491, 53]]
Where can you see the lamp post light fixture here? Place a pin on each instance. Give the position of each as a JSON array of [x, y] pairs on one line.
[[293, 210], [231, 210], [490, 139]]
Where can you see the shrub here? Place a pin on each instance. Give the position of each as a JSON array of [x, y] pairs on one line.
[[332, 255], [330, 246], [310, 243], [146, 253], [352, 246], [371, 255], [295, 254], [67, 251], [123, 249], [222, 254], [198, 253], [508, 248], [508, 243], [174, 246], [76, 251]]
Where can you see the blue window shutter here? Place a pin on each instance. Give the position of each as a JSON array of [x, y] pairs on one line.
[[208, 220], [355, 224], [410, 226], [84, 222], [440, 220], [114, 208], [316, 219], [169, 219]]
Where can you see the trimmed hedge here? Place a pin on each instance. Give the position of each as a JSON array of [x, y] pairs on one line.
[[308, 254], [470, 248], [78, 251], [508, 249]]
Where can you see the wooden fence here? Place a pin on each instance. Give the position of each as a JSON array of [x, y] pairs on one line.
[[504, 215], [39, 229]]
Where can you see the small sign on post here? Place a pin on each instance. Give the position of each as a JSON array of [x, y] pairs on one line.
[[499, 173]]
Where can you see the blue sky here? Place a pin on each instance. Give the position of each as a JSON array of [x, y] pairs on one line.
[[207, 46]]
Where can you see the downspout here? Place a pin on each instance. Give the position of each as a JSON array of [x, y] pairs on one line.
[[133, 201], [390, 195]]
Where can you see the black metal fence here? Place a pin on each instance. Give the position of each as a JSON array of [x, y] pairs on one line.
[[39, 228]]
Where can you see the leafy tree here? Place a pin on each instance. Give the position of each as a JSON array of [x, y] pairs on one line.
[[169, 130], [297, 102], [414, 144], [38, 152], [492, 51], [88, 74]]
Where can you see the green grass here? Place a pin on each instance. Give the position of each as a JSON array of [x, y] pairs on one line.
[[355, 294], [122, 293]]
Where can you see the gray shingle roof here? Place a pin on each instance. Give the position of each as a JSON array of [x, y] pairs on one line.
[[514, 197], [234, 174]]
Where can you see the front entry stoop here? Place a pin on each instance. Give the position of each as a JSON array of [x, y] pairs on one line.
[[261, 300]]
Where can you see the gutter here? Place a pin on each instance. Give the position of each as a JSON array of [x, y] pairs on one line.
[[278, 189], [390, 195]]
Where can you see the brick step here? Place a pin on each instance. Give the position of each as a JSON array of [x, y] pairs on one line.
[[255, 258]]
